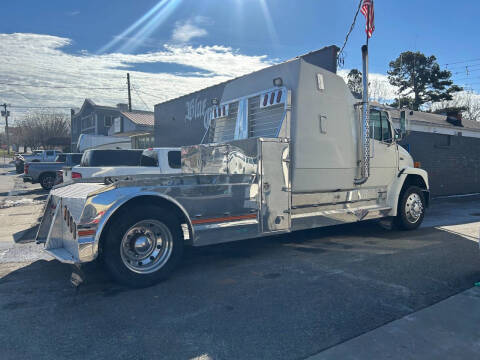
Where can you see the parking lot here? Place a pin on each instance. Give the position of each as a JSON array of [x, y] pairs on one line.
[[280, 297]]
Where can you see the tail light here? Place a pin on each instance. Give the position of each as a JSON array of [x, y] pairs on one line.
[[59, 177], [76, 175], [25, 168], [417, 164]]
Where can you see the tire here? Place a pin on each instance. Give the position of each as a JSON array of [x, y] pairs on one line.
[[411, 209], [132, 252], [47, 181]]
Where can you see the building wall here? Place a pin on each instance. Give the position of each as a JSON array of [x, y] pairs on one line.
[[452, 162]]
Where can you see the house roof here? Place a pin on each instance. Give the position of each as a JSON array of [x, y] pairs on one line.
[[140, 117], [432, 119]]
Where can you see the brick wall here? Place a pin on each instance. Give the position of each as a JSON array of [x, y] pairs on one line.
[[452, 162]]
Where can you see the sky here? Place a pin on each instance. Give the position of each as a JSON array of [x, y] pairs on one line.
[[56, 53]]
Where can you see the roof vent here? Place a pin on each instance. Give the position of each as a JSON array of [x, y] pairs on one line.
[[456, 121]]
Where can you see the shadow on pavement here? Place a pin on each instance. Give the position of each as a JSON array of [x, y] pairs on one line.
[[26, 236], [279, 297]]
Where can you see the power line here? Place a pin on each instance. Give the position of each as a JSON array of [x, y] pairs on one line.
[[340, 53], [64, 87], [461, 62], [144, 103], [155, 96], [38, 107]]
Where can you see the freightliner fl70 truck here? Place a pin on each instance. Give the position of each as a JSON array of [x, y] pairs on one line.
[[287, 148]]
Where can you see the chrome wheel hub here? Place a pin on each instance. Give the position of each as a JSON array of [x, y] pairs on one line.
[[146, 246], [413, 208]]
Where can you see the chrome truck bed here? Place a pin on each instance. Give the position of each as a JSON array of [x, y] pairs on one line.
[[228, 192]]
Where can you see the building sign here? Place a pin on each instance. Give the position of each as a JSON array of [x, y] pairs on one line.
[[184, 121], [198, 110]]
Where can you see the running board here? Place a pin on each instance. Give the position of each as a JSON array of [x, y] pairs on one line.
[[319, 218]]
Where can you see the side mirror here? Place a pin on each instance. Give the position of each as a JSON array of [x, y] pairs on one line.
[[398, 135]]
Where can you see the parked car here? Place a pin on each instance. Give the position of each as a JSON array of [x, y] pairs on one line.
[[106, 163], [45, 172], [35, 156]]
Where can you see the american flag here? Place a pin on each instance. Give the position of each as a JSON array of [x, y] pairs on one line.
[[367, 11]]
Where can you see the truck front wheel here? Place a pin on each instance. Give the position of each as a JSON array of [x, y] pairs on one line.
[[411, 209], [143, 246]]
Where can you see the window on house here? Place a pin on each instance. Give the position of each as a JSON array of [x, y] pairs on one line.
[[87, 123], [108, 121]]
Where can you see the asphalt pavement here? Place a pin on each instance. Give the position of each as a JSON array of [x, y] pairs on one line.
[[280, 297]]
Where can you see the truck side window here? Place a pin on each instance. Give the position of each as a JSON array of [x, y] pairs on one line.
[[375, 125], [49, 153], [175, 159], [380, 126], [386, 131]]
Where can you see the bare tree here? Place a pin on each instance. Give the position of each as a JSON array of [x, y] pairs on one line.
[[44, 129], [378, 90], [467, 102]]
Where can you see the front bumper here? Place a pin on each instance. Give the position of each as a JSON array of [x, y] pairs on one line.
[[27, 179]]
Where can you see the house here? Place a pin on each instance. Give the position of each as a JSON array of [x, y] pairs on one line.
[[111, 121]]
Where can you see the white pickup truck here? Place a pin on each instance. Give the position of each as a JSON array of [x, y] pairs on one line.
[[152, 161]]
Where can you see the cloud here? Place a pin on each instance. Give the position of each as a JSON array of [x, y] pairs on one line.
[[185, 31], [36, 70], [73, 13]]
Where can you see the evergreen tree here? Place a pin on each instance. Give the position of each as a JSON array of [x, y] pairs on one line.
[[420, 78]]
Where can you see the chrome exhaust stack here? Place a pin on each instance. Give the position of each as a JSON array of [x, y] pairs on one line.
[[365, 155]]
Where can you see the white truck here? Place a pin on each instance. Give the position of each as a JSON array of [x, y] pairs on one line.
[[152, 161], [88, 141], [287, 148]]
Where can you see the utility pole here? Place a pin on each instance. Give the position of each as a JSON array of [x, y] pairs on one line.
[[6, 113], [129, 93]]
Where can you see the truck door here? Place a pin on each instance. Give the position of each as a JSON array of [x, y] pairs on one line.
[[384, 161], [275, 186]]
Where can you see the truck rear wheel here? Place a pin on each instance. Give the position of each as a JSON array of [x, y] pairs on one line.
[[47, 181], [411, 209], [143, 246]]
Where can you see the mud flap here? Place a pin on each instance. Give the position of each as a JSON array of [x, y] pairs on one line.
[[78, 276]]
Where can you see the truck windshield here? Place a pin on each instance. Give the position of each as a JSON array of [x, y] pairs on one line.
[[61, 158]]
